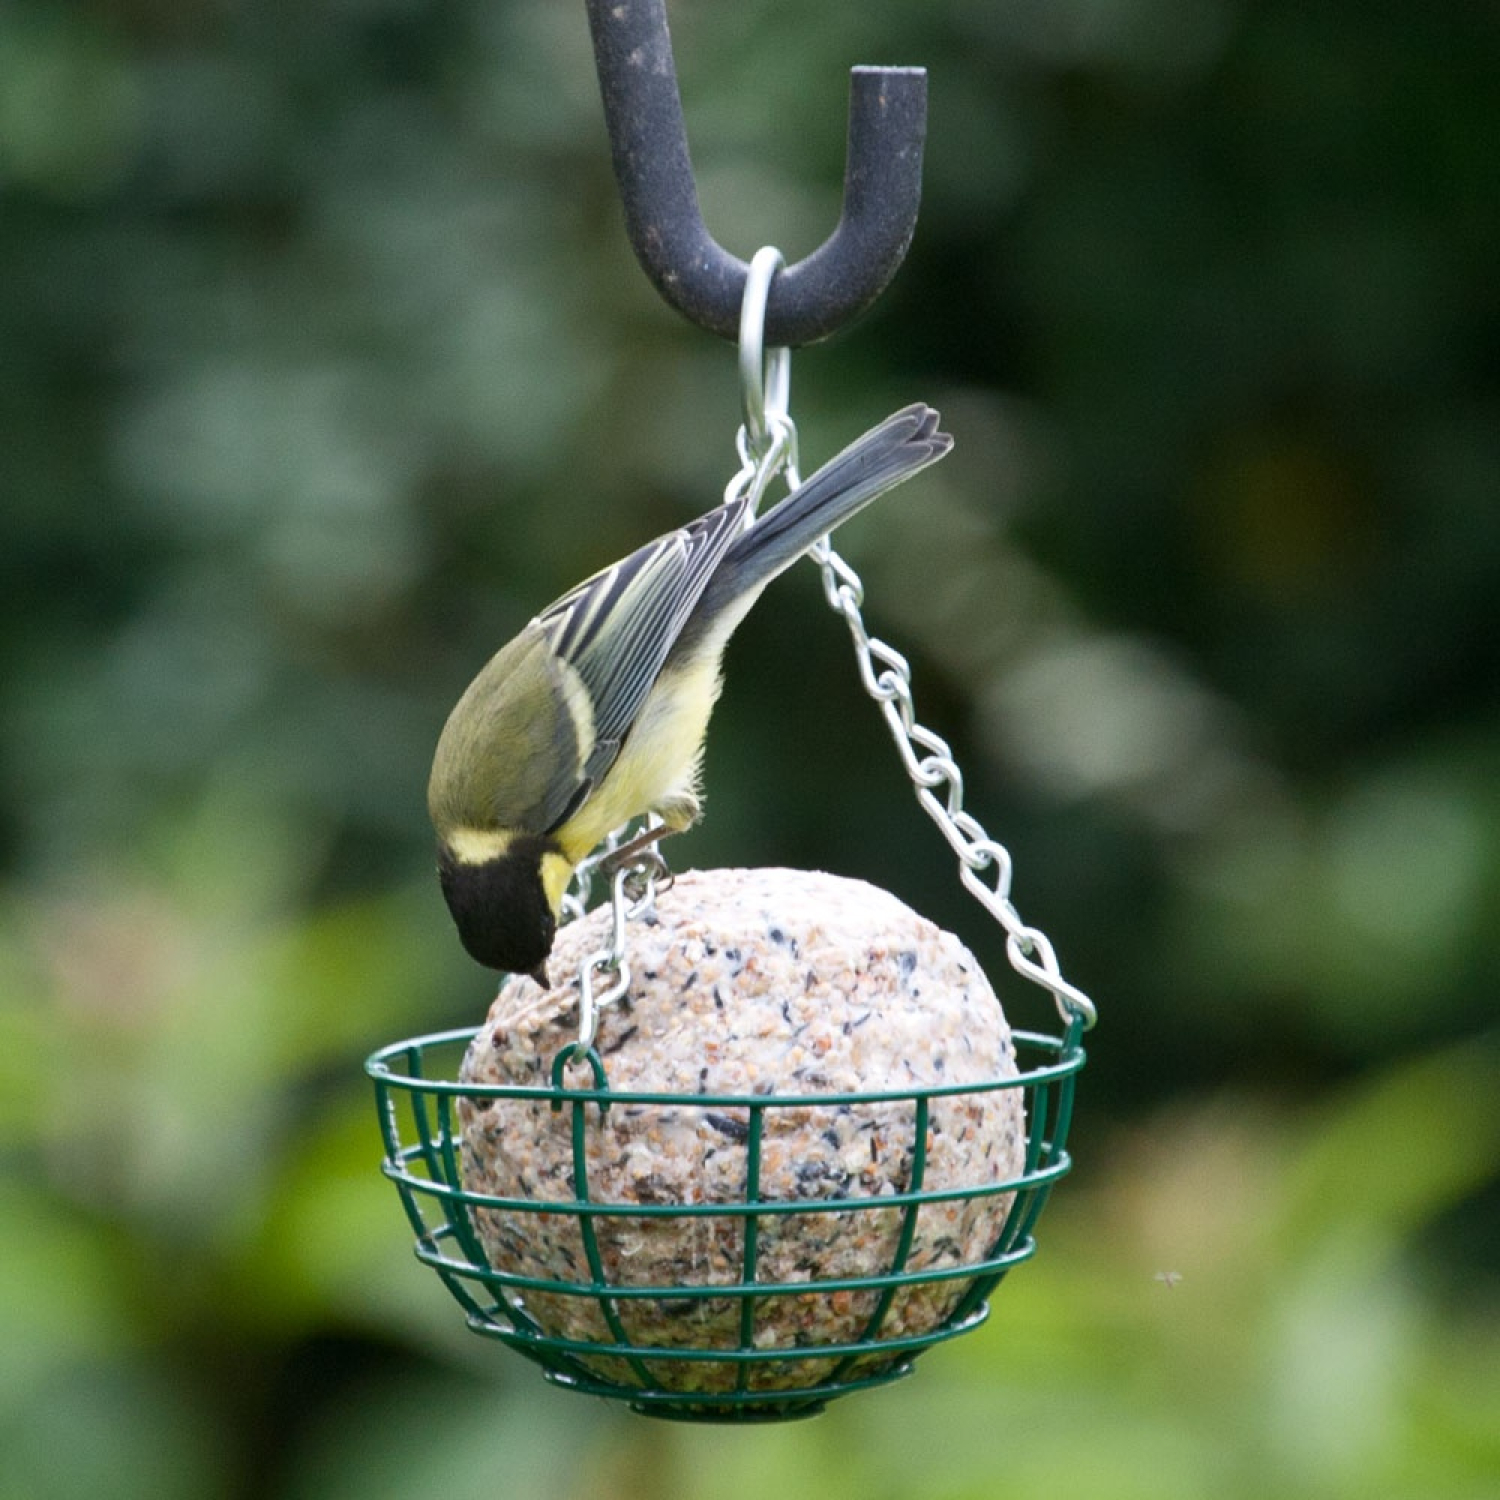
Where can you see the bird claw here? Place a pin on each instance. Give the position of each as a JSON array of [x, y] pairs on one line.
[[639, 855]]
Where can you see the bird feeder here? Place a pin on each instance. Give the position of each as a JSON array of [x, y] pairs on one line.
[[757, 1233], [794, 1142]]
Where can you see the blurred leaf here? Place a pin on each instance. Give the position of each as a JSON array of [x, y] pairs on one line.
[[123, 1429], [1397, 1149], [65, 1296]]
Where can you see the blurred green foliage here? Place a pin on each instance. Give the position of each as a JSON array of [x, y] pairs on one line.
[[323, 363]]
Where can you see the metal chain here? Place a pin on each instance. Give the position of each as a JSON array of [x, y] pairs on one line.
[[929, 763], [633, 890], [770, 436]]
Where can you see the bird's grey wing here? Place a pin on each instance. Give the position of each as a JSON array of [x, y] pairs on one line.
[[616, 628]]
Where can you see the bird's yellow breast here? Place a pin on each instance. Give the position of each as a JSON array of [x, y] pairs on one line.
[[657, 768]]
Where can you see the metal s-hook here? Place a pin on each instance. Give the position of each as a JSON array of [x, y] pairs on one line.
[[648, 141]]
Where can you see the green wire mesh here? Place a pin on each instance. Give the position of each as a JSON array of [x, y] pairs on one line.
[[418, 1096]]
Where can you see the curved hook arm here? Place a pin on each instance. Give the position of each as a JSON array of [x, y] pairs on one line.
[[648, 140]]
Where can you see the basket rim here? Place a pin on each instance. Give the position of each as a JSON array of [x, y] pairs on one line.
[[381, 1066]]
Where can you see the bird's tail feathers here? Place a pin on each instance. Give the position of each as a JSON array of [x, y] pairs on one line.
[[905, 442]]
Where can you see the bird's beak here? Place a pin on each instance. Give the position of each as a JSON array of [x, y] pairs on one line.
[[540, 975]]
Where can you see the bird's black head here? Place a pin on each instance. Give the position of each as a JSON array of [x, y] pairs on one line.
[[500, 907]]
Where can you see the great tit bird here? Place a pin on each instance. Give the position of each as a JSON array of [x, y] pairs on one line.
[[596, 712]]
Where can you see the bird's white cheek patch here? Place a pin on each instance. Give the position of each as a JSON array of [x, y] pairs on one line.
[[477, 846]]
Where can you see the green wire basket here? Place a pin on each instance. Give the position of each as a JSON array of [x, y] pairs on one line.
[[418, 1094]]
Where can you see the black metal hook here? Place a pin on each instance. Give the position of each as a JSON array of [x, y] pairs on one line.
[[648, 139]]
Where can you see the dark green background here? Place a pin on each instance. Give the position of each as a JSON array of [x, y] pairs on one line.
[[324, 363]]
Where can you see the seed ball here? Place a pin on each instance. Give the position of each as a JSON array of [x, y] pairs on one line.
[[774, 985]]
